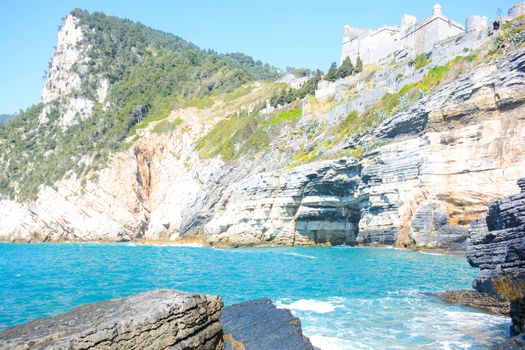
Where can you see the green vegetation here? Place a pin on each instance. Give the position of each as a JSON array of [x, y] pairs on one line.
[[421, 61], [150, 73], [284, 117], [332, 73], [243, 134], [240, 91], [358, 152], [198, 102], [472, 57], [345, 69], [166, 126], [356, 123], [358, 65], [288, 95], [511, 35], [301, 72]]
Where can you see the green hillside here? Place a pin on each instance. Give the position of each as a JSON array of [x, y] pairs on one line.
[[150, 73]]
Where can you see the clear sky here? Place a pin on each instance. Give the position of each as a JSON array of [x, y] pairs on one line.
[[283, 33]]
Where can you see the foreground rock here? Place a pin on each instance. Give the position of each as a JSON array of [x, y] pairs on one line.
[[487, 302], [497, 247], [515, 343], [161, 319], [260, 325]]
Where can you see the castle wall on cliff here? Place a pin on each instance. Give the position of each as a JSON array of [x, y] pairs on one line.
[[412, 37]]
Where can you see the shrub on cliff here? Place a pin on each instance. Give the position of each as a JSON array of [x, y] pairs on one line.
[[421, 61], [358, 65], [511, 35], [287, 96], [346, 68], [332, 73]]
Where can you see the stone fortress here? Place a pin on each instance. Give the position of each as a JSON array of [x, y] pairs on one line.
[[412, 37]]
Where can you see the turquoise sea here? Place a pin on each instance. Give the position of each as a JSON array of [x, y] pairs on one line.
[[346, 298]]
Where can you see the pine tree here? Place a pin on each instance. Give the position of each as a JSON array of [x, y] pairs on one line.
[[331, 75], [346, 68], [359, 65]]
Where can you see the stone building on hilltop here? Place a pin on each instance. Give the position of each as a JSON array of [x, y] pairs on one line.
[[412, 36]]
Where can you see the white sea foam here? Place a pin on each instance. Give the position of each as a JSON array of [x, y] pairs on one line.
[[320, 307], [329, 343], [301, 255], [429, 253], [190, 245]]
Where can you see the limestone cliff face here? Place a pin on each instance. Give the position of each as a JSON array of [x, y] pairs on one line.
[[435, 168], [106, 207], [497, 247], [63, 87], [421, 190], [315, 203]]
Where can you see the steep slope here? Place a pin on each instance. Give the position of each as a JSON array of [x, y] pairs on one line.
[[107, 78], [401, 156]]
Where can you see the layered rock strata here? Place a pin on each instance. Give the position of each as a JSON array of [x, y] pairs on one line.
[[435, 167], [473, 298], [161, 319], [497, 247], [260, 325]]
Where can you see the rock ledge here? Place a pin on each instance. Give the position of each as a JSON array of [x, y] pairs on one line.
[[160, 319]]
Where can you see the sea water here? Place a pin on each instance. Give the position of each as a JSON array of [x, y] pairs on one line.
[[346, 298]]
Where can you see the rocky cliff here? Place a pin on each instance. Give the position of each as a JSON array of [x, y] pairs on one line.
[[417, 178], [497, 247]]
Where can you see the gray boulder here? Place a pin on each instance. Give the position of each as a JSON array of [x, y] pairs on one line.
[[160, 319], [259, 325]]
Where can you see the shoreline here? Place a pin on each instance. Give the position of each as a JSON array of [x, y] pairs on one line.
[[199, 243], [204, 244]]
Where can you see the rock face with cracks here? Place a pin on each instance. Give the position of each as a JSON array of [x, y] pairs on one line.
[[258, 324], [435, 167], [497, 247], [161, 319]]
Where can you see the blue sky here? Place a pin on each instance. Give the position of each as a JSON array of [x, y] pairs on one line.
[[283, 33]]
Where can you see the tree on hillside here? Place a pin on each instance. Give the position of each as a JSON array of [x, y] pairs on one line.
[[301, 72], [346, 68], [331, 75], [358, 65]]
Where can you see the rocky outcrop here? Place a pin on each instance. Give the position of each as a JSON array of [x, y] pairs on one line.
[[63, 87], [497, 247], [161, 319], [514, 343], [104, 208], [313, 204], [434, 168], [260, 325], [473, 298], [418, 190]]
